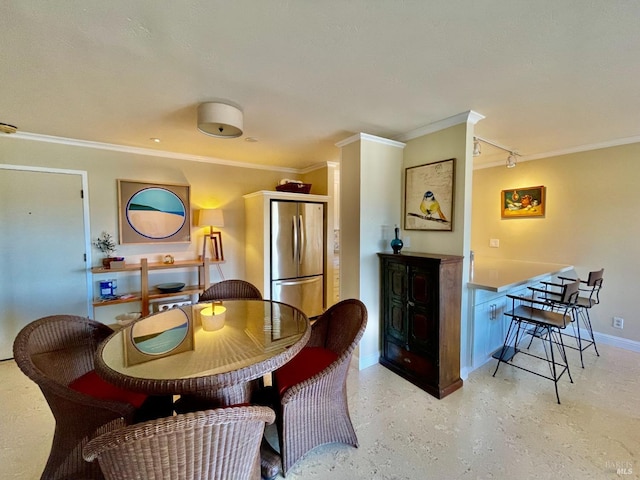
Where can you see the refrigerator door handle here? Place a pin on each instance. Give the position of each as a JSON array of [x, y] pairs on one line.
[[294, 234], [302, 240], [295, 282]]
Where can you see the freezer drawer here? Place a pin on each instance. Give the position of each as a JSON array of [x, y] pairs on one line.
[[307, 294]]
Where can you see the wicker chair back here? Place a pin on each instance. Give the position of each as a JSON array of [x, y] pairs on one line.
[[220, 444], [53, 351]]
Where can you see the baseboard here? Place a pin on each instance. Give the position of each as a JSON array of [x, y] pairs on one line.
[[603, 338], [619, 342], [369, 360]]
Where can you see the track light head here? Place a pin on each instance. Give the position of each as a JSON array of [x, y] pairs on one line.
[[476, 147]]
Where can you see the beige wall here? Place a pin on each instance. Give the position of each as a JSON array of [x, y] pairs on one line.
[[212, 186], [442, 145], [591, 221], [451, 142], [370, 180]]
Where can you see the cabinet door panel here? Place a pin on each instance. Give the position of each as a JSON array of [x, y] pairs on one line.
[[488, 329], [397, 278], [423, 310], [395, 321], [423, 286], [395, 314], [423, 335]]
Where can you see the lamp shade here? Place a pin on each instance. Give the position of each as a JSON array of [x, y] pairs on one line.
[[220, 120], [211, 217]]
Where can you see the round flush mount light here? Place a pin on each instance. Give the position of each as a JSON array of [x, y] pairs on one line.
[[8, 129], [220, 120]]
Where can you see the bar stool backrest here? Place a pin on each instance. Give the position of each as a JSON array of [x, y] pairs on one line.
[[595, 282], [570, 292]]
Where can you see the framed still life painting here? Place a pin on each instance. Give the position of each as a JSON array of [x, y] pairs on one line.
[[153, 212], [523, 202], [428, 196]]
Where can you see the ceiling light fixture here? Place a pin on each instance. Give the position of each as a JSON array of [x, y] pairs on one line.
[[512, 159], [220, 120], [8, 129]]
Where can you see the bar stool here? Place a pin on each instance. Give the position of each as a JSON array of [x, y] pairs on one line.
[[545, 318], [589, 296]]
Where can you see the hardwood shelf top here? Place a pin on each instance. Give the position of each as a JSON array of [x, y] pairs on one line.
[[154, 266]]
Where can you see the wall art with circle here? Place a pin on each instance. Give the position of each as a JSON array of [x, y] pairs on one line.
[[153, 213]]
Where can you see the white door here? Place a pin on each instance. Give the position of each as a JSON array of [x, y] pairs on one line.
[[42, 247]]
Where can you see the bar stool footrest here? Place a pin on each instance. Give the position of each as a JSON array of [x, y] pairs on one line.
[[509, 353]]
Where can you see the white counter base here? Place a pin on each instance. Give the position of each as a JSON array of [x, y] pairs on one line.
[[491, 282]]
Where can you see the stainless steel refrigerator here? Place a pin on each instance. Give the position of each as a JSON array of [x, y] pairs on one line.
[[297, 255]]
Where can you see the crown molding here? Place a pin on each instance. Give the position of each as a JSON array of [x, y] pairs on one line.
[[585, 148], [145, 151], [371, 138], [318, 166], [466, 117], [566, 151]]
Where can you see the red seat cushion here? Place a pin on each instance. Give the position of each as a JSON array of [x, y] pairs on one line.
[[307, 363], [93, 385]]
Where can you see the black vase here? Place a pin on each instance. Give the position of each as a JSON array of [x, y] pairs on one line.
[[396, 243]]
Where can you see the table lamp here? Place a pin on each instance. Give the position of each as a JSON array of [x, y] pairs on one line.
[[212, 217]]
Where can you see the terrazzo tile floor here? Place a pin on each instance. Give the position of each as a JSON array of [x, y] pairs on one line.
[[503, 427]]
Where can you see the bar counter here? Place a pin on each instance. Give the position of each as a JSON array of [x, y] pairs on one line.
[[500, 275]]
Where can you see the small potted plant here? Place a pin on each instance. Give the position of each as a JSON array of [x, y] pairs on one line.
[[107, 245]]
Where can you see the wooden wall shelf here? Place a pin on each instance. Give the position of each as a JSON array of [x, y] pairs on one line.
[[146, 293]]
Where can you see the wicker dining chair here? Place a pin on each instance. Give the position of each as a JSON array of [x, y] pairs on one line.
[[54, 352], [312, 387], [220, 444], [224, 290], [228, 289]]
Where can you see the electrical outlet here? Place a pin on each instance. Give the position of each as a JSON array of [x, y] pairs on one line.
[[494, 242], [618, 322]]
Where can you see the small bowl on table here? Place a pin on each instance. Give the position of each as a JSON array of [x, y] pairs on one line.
[[126, 318]]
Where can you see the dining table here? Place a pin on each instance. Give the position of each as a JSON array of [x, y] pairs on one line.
[[214, 351]]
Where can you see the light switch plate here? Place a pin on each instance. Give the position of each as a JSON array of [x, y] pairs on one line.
[[494, 242]]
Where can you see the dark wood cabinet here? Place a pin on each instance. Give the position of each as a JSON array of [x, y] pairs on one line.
[[420, 319]]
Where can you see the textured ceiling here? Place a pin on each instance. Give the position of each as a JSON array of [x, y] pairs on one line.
[[548, 76]]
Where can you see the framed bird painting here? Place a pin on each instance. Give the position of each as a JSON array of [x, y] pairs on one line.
[[428, 196]]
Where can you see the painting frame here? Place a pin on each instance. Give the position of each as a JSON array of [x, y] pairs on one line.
[[216, 241], [427, 186], [150, 212], [523, 202]]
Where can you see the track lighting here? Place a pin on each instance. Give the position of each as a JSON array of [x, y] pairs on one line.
[[476, 147], [512, 159]]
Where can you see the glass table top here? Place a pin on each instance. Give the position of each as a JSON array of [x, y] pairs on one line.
[[174, 345]]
